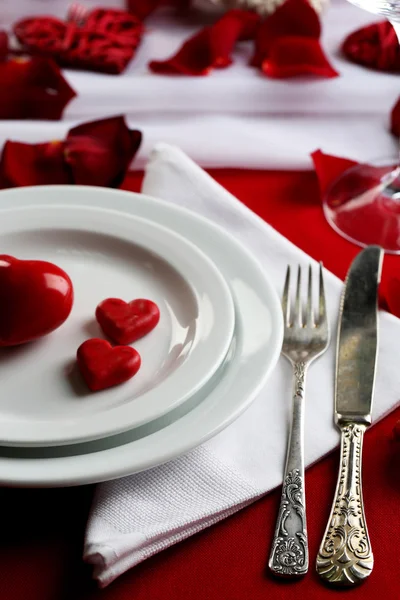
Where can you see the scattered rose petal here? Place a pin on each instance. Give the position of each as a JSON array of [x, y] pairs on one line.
[[396, 431], [100, 152], [395, 119], [375, 46], [142, 8], [33, 164], [3, 46], [94, 153], [392, 295], [33, 89], [293, 56], [210, 48], [328, 168], [287, 43]]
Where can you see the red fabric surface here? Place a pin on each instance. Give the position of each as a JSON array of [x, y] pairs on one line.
[[42, 530]]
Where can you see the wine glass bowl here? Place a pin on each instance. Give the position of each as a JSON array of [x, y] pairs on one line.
[[363, 204], [386, 8]]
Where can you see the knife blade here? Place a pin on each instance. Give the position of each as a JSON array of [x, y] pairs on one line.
[[345, 555], [357, 341]]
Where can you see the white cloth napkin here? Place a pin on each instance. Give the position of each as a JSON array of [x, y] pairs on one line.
[[254, 121], [135, 517]]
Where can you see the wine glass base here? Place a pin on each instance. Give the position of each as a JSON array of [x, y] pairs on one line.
[[363, 205]]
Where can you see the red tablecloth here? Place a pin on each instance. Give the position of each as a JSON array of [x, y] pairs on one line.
[[41, 531]]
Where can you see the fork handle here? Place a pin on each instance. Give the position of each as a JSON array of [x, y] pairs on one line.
[[289, 552], [345, 556]]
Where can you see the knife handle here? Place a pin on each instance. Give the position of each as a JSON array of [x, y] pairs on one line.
[[345, 557], [289, 552]]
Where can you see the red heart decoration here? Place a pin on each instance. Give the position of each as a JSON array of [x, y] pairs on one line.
[[102, 40], [103, 366], [125, 322], [36, 297]]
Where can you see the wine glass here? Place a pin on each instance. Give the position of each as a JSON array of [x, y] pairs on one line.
[[363, 204]]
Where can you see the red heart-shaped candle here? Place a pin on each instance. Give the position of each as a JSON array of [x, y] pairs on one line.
[[36, 297], [103, 366], [126, 322]]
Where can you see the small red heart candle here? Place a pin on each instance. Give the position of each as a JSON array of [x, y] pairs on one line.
[[126, 322], [36, 297], [103, 366]]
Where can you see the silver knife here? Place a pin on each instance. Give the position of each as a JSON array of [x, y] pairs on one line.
[[345, 556]]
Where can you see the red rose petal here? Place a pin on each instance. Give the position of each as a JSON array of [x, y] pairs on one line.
[[211, 47], [328, 168], [33, 164], [294, 56], [103, 366], [375, 46], [395, 119], [287, 43], [392, 295], [94, 153], [33, 89], [100, 152], [293, 18], [3, 46], [142, 8], [396, 431]]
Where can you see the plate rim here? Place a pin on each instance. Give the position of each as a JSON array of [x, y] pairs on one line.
[[80, 470], [121, 418]]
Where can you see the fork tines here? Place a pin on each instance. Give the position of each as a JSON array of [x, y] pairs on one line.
[[298, 316]]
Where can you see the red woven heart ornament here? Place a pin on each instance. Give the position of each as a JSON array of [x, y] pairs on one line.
[[126, 322], [103, 366], [102, 40]]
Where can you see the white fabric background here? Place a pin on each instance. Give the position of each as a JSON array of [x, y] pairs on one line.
[[251, 120]]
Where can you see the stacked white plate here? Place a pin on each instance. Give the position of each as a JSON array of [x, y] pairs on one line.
[[218, 338]]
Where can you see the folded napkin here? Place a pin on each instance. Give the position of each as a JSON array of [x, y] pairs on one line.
[[135, 517]]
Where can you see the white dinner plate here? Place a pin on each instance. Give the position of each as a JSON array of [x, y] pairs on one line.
[[44, 400], [253, 354]]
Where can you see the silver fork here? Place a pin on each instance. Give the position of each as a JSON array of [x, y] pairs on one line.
[[306, 336]]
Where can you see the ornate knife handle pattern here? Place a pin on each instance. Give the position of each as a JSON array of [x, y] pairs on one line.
[[289, 552], [345, 556]]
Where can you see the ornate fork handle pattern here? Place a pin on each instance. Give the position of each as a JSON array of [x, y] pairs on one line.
[[345, 556], [289, 553]]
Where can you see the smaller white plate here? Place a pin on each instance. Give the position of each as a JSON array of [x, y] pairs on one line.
[[44, 400]]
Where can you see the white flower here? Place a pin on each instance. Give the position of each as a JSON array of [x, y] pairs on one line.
[[264, 7]]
